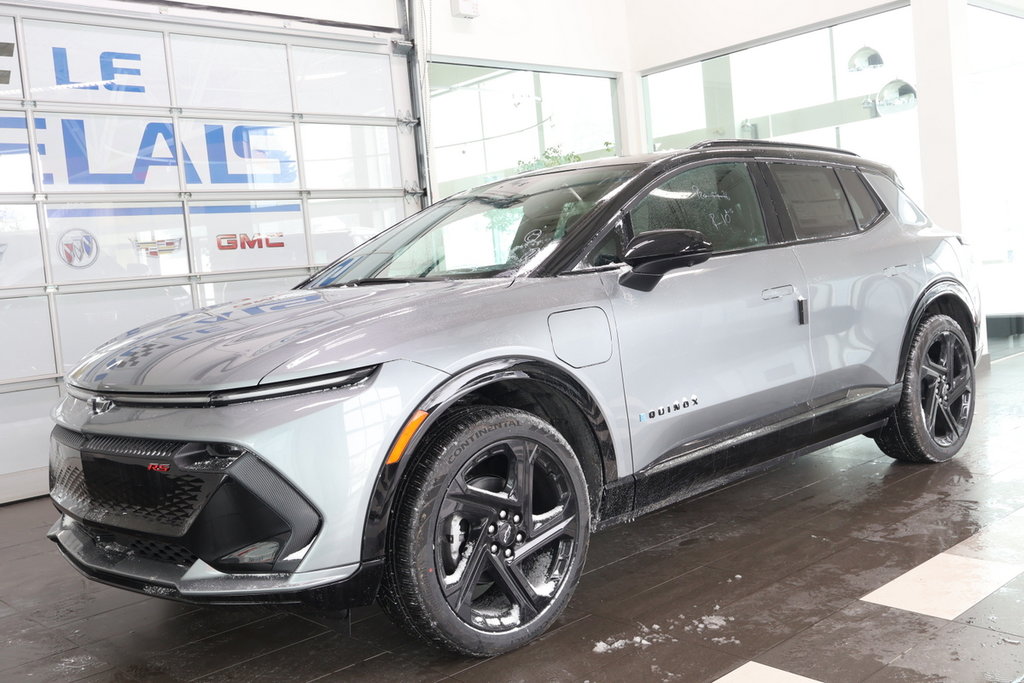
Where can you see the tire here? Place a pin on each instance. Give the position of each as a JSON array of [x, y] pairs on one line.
[[935, 412], [489, 535]]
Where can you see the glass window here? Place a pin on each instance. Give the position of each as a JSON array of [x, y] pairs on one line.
[[247, 235], [116, 241], [21, 260], [15, 165], [495, 232], [350, 157], [489, 123], [90, 319], [94, 64], [91, 152], [25, 425], [10, 72], [213, 293], [347, 83], [340, 225], [865, 209], [717, 199], [25, 338], [815, 201], [215, 73], [848, 86], [233, 155]]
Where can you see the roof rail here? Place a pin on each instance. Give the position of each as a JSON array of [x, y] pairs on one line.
[[742, 142]]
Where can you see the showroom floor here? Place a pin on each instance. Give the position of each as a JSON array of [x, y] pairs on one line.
[[840, 566]]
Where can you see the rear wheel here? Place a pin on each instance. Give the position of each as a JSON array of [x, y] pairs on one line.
[[490, 534], [936, 410]]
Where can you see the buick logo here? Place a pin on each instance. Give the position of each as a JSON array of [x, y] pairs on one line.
[[99, 405], [78, 248]]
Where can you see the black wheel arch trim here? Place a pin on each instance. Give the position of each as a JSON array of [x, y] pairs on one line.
[[934, 291], [446, 395]]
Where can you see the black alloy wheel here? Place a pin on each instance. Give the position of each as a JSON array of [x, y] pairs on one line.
[[947, 381], [489, 538], [936, 410], [506, 534]]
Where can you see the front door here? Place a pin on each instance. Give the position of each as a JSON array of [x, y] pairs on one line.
[[716, 346]]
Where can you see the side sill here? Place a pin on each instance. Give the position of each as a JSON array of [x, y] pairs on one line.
[[744, 453]]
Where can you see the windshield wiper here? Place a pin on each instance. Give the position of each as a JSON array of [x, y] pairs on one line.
[[380, 281]]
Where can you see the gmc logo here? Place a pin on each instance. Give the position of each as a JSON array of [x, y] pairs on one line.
[[228, 242]]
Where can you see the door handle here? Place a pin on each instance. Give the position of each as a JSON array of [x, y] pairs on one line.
[[777, 292]]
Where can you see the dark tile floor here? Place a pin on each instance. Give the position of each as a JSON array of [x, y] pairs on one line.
[[769, 572]]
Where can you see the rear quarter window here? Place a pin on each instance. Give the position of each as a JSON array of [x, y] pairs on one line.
[[866, 209]]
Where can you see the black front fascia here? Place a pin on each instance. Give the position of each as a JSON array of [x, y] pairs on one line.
[[357, 590], [178, 499]]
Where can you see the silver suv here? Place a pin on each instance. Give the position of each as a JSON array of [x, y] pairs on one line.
[[440, 418]]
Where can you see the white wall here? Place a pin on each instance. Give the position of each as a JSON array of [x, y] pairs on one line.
[[577, 34]]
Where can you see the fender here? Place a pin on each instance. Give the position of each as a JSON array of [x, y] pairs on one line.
[[443, 397], [937, 289]]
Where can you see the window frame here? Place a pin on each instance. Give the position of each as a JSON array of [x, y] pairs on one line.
[[621, 220]]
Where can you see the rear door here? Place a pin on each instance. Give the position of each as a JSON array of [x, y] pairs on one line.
[[717, 345], [863, 272]]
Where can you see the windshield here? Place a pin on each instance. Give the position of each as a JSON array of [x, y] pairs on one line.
[[493, 231]]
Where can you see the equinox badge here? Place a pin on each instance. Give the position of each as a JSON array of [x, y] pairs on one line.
[[675, 407]]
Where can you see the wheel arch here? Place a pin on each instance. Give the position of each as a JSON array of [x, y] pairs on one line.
[[534, 385], [947, 297]]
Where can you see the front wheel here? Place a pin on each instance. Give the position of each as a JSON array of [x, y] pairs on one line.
[[490, 534], [936, 410]]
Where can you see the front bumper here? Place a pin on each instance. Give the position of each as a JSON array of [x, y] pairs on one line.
[[114, 564]]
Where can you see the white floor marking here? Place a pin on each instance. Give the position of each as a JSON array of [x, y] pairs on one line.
[[945, 586], [752, 672]]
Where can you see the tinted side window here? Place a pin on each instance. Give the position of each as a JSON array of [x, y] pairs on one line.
[[718, 200], [865, 210], [815, 200]]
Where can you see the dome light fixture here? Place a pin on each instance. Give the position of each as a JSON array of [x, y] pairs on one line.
[[864, 59], [895, 96]]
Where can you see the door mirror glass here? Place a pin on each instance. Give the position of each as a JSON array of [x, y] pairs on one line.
[[656, 252]]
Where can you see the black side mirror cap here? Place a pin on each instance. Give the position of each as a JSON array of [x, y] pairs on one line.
[[656, 252]]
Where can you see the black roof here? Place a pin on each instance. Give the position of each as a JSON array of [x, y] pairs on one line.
[[739, 147]]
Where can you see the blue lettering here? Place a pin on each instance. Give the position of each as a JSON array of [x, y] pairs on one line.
[[146, 156], [109, 72], [241, 140], [241, 143], [218, 158], [61, 72], [76, 155]]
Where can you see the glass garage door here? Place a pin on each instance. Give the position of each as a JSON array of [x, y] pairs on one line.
[[147, 168]]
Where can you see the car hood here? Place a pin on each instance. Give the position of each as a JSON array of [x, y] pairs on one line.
[[300, 333]]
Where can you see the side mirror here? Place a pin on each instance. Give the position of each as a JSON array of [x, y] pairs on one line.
[[654, 253]]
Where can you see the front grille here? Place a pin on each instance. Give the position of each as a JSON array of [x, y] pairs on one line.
[[136, 546], [130, 489], [113, 480]]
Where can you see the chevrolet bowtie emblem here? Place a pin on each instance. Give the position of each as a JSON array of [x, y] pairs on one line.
[[99, 405]]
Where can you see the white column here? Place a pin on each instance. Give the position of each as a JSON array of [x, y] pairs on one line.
[[632, 124], [940, 50]]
